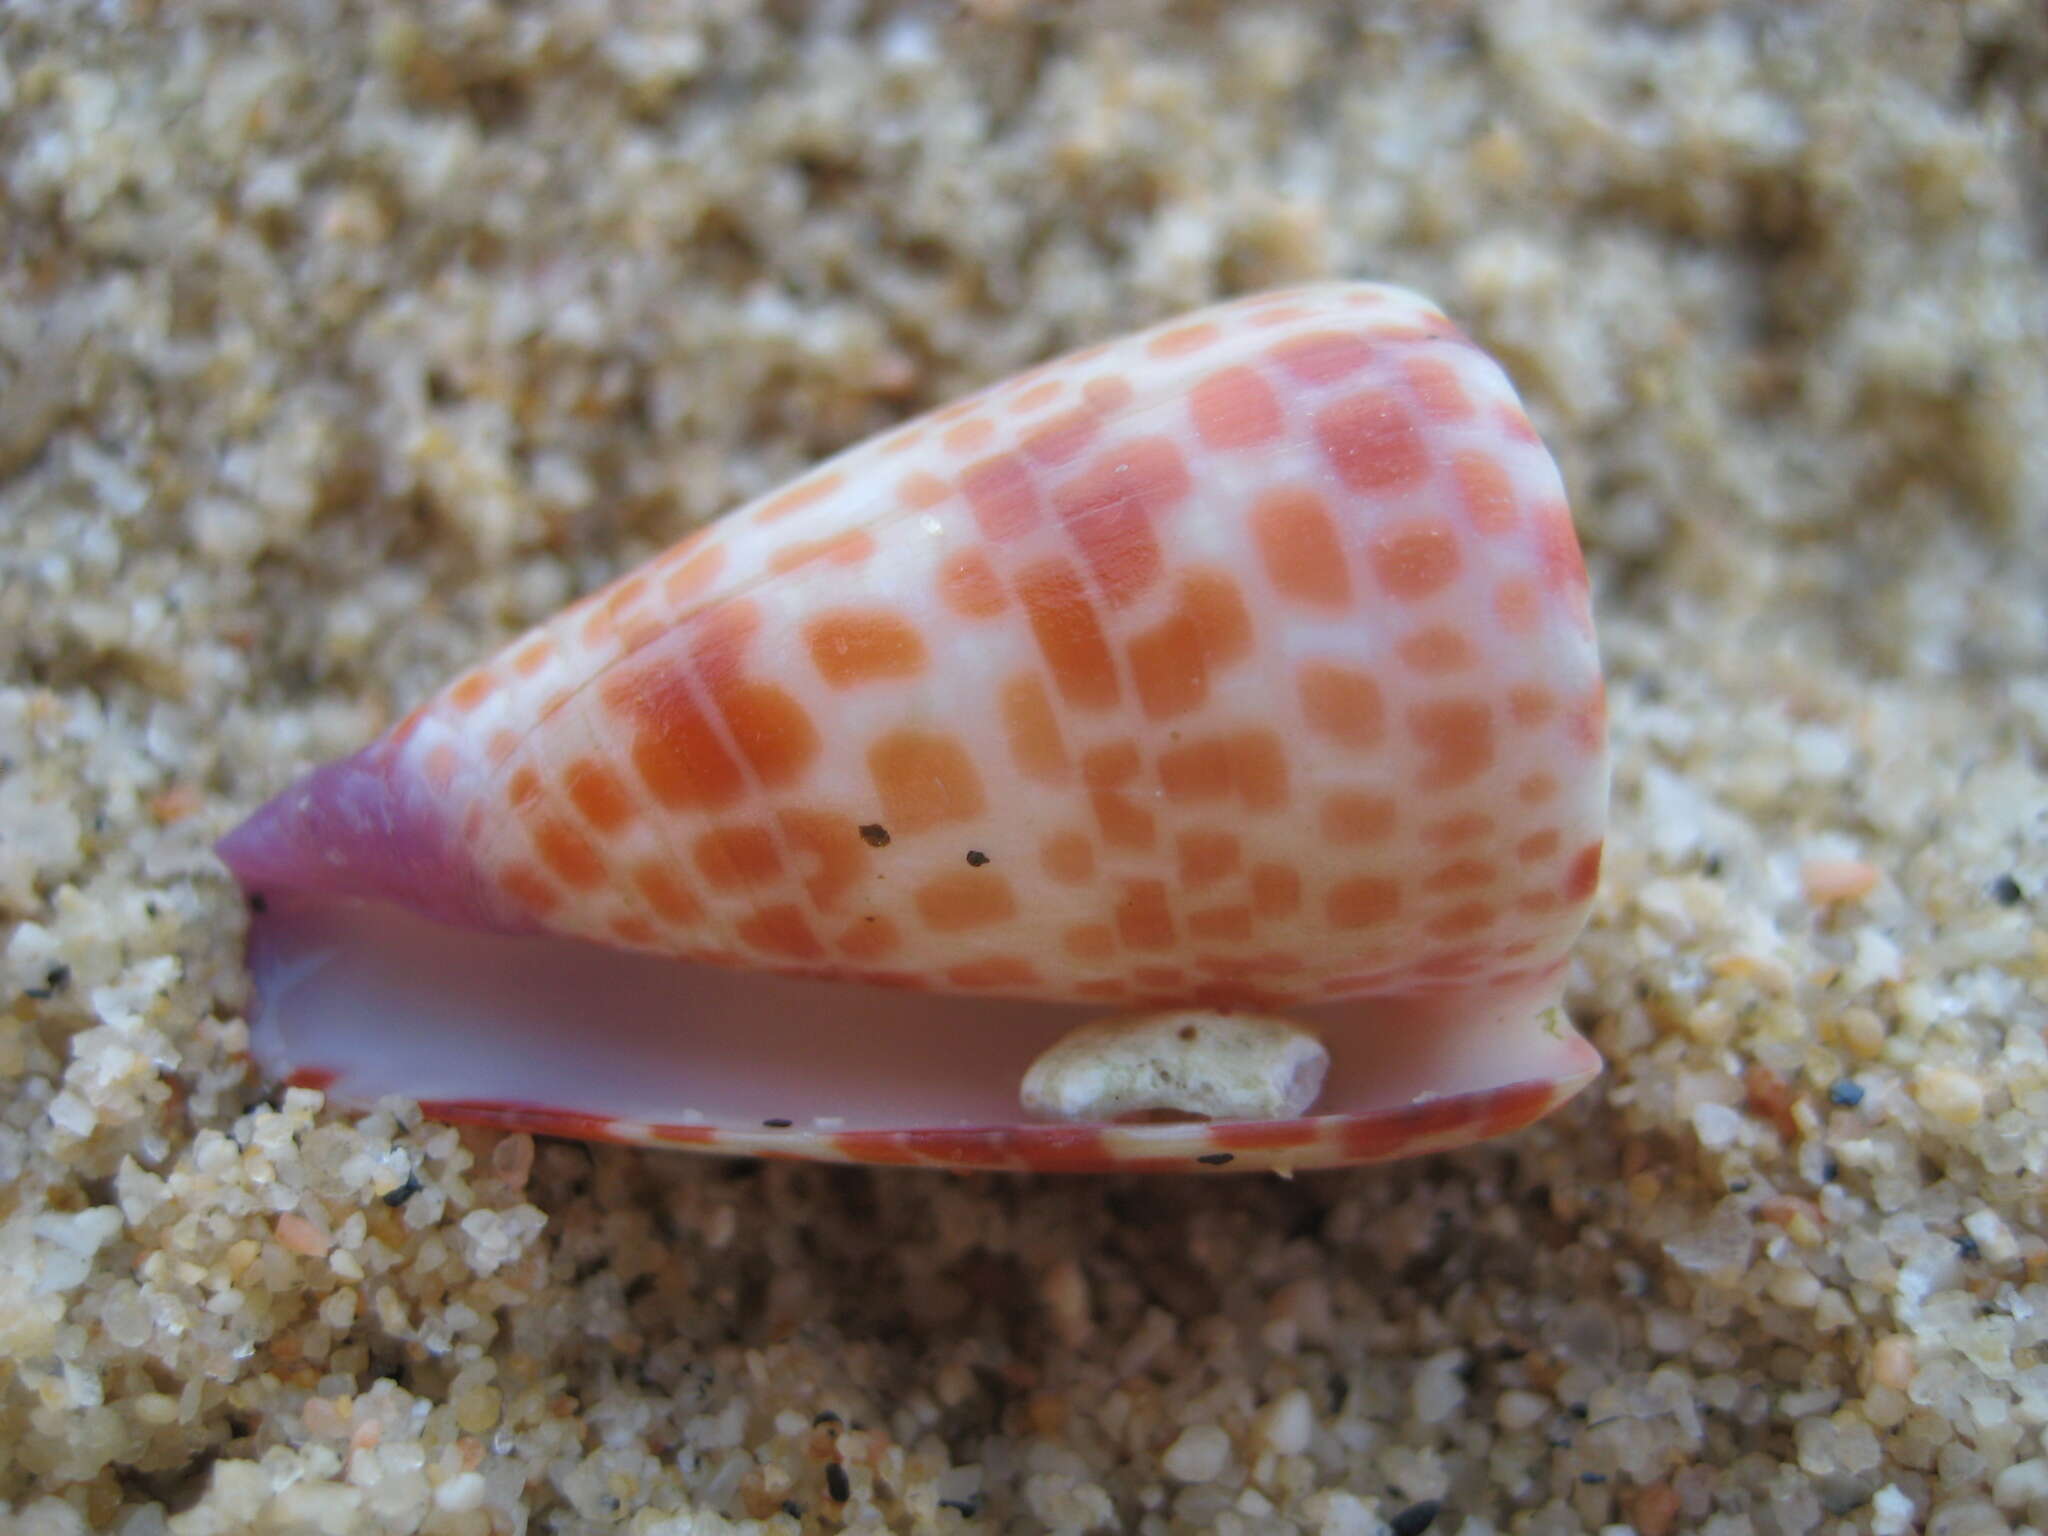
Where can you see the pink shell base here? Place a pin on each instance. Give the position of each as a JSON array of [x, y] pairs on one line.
[[563, 1038]]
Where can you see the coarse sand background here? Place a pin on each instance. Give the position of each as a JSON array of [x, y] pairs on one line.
[[340, 342]]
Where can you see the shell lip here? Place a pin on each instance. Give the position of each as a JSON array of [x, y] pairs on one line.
[[564, 1038], [1309, 1143]]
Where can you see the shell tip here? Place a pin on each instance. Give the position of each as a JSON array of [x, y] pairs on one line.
[[358, 828]]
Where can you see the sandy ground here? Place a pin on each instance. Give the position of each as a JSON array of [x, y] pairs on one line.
[[339, 342]]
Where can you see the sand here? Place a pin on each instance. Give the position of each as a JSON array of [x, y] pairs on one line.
[[339, 342]]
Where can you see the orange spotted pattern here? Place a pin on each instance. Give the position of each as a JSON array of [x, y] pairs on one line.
[[1218, 651]]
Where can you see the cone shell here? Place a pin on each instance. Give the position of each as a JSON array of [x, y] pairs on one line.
[[1244, 661]]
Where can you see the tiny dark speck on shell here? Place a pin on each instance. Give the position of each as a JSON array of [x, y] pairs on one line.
[[257, 904], [976, 858], [1217, 1159], [2006, 891], [778, 1124], [875, 835]]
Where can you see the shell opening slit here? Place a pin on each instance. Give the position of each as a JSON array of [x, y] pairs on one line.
[[1240, 670]]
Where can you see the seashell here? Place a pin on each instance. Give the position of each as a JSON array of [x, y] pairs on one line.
[[1243, 664]]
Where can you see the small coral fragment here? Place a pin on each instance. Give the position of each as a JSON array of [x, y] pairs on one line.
[[1220, 1066]]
